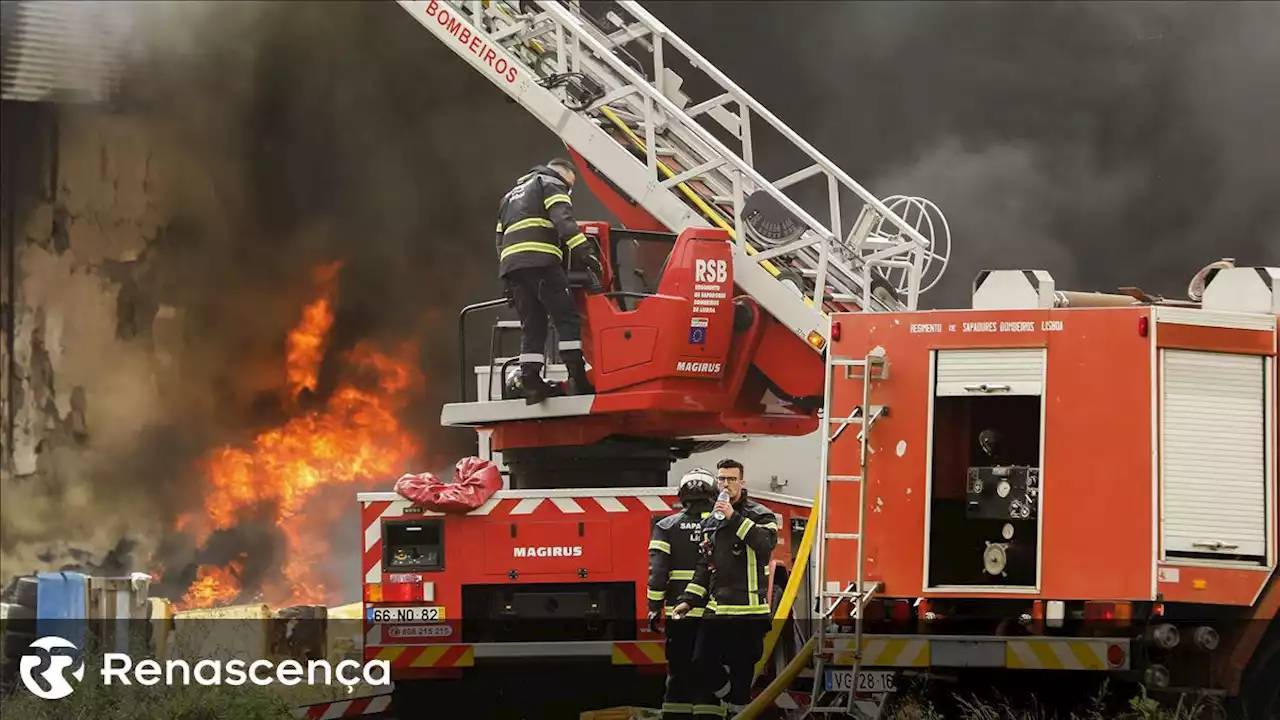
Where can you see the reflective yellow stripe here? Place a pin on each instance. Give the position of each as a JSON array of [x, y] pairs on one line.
[[742, 609], [499, 227], [677, 708], [528, 223], [770, 525], [657, 595], [712, 710], [575, 241], [693, 612], [557, 198], [660, 546], [531, 246], [695, 589], [745, 528], [681, 574], [753, 582]]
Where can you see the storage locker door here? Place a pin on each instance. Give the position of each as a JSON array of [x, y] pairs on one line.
[[1213, 453], [977, 373]]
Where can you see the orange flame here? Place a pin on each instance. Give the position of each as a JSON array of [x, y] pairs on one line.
[[214, 586], [305, 346], [354, 439]]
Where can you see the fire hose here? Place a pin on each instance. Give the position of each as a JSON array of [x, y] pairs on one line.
[[788, 675]]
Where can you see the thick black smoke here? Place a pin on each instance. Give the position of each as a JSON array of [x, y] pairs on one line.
[[284, 136], [1109, 143]]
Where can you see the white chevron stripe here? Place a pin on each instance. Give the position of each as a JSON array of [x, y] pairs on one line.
[[611, 504], [372, 534], [567, 505], [654, 503], [526, 506], [487, 507]]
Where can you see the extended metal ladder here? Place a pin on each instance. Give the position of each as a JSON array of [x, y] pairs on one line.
[[857, 593], [625, 115]]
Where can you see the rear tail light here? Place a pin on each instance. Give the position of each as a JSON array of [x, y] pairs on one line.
[[1112, 612], [399, 592]]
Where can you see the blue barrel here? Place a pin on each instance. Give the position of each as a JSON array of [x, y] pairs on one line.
[[61, 606]]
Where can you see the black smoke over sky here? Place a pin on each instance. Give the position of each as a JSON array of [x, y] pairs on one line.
[[1109, 143]]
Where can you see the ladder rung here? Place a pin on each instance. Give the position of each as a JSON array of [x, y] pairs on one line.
[[876, 412], [842, 536], [848, 362], [844, 478], [842, 594]]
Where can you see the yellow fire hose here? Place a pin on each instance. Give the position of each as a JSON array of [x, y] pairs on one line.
[[798, 571], [780, 683]]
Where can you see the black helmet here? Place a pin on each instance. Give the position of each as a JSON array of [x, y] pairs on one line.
[[697, 485]]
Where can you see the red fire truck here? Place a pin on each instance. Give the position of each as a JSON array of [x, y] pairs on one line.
[[1047, 480]]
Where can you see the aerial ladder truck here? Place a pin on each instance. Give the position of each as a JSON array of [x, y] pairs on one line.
[[720, 315]]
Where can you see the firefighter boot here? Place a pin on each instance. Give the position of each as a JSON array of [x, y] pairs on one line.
[[532, 386], [577, 366]]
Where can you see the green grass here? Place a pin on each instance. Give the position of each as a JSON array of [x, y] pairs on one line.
[[94, 701], [915, 704]]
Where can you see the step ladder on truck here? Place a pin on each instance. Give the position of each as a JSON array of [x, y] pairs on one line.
[[827, 697]]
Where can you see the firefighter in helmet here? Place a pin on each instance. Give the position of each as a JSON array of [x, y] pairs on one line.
[[738, 542], [536, 230], [673, 554]]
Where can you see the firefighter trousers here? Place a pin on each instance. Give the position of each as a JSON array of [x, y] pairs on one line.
[[537, 293], [733, 643], [681, 636]]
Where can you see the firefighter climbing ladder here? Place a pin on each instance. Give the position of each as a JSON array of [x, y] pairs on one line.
[[629, 120], [858, 592]]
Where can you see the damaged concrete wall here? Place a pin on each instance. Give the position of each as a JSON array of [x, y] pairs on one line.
[[90, 352]]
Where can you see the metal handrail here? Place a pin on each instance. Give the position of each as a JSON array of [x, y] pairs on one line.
[[462, 340]]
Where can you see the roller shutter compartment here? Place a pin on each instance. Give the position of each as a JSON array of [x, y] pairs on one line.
[[979, 373], [1213, 453]]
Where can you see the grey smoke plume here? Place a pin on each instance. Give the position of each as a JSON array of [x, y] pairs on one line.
[[1109, 143]]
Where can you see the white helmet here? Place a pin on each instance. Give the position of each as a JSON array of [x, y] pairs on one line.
[[697, 482]]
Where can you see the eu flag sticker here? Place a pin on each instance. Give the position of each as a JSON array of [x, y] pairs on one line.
[[698, 331]]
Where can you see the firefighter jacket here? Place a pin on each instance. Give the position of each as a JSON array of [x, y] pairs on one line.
[[536, 226], [673, 557], [734, 565]]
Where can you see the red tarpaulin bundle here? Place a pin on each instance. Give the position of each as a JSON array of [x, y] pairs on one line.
[[474, 481]]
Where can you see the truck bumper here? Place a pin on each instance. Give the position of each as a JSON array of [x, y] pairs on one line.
[[1012, 653], [633, 652]]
